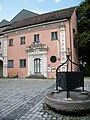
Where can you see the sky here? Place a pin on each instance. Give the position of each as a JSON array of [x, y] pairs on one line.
[[10, 8]]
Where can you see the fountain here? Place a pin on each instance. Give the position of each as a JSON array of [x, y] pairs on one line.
[[68, 97]]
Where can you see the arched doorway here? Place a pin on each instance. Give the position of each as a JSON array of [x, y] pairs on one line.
[[1, 68]]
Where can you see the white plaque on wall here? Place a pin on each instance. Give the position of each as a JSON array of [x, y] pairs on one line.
[[49, 69]]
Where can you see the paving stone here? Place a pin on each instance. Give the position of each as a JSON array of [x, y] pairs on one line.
[[23, 99]]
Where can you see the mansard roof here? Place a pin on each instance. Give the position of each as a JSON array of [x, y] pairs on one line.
[[43, 18]]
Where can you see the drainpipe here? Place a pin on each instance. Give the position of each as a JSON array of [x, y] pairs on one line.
[[70, 43]]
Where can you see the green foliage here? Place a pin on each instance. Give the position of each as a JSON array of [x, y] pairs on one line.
[[83, 35], [83, 39], [87, 70]]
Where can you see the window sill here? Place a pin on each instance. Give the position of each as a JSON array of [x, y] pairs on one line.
[[22, 67], [10, 67], [10, 45], [22, 43], [54, 39]]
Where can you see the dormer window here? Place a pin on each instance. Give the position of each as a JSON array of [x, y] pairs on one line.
[[36, 38]]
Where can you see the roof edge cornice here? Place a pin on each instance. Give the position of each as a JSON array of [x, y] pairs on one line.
[[31, 26]]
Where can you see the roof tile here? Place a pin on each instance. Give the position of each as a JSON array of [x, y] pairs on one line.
[[43, 18]]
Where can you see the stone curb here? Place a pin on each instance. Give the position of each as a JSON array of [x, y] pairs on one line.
[[67, 106]]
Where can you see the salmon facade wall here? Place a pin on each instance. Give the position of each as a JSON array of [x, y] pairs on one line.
[[73, 25], [18, 51]]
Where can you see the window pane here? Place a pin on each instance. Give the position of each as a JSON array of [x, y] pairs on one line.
[[22, 63], [37, 66], [54, 36], [10, 63], [22, 40], [36, 38], [10, 42], [53, 59]]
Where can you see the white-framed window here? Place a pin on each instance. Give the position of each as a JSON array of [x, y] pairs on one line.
[[54, 35], [36, 38], [10, 63], [22, 63], [22, 40], [10, 42]]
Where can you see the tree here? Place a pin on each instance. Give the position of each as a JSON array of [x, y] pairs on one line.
[[83, 35]]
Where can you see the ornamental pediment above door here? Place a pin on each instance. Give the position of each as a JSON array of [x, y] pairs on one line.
[[36, 47]]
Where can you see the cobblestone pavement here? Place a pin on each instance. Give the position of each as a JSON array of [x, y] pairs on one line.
[[23, 99]]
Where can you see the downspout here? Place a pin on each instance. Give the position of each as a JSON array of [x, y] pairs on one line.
[[70, 43]]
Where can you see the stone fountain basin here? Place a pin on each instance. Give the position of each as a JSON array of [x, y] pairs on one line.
[[78, 103]]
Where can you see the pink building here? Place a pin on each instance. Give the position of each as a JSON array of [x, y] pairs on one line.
[[37, 45]]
